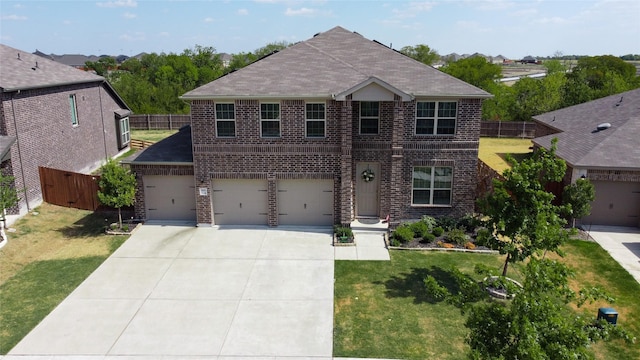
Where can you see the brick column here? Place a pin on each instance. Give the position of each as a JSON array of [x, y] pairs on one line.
[[346, 163], [272, 200], [397, 158]]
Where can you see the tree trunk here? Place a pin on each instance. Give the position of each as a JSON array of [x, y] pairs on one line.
[[119, 218], [506, 265]]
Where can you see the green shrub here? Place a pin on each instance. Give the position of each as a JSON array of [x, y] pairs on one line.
[[395, 242], [482, 237], [430, 221], [403, 234], [469, 222], [419, 229], [438, 231], [427, 238], [343, 231], [457, 236], [447, 222]]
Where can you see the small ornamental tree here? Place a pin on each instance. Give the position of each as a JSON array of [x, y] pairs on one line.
[[117, 187], [578, 198], [522, 220]]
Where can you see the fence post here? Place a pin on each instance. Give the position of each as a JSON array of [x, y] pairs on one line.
[[148, 123], [170, 124], [499, 126]]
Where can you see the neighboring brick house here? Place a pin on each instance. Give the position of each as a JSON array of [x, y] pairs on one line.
[[599, 140], [56, 116], [327, 130]]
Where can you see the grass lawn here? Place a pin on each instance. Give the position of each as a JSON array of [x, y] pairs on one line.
[[493, 150], [47, 257], [151, 135], [381, 309]]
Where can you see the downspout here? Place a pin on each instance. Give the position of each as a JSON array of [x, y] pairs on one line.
[[15, 124], [104, 131]]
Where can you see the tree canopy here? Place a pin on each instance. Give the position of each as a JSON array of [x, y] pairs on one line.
[[476, 71], [421, 53], [117, 187]]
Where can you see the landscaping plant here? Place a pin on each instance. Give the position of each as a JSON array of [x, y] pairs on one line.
[[117, 187]]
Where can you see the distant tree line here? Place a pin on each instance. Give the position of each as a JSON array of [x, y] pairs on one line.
[[153, 83]]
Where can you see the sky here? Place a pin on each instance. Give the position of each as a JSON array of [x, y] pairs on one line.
[[512, 28]]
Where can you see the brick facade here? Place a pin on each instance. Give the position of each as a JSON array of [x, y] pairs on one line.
[[41, 121], [293, 156]]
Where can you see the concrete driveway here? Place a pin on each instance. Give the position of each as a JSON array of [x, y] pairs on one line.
[[176, 291], [622, 243]]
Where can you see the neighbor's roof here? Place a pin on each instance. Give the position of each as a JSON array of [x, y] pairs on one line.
[[330, 63], [579, 142], [19, 71], [175, 149]]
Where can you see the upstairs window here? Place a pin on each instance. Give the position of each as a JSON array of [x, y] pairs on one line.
[[270, 120], [369, 118], [436, 117], [74, 109], [431, 185], [225, 120], [315, 124]]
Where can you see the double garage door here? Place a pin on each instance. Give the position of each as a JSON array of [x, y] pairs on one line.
[[299, 202], [617, 203]]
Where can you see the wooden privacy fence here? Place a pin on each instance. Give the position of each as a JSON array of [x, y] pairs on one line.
[[140, 144], [521, 129], [69, 189], [158, 122]]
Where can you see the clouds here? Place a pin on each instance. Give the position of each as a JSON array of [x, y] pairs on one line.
[[128, 15], [300, 12], [14, 17], [117, 3], [243, 12]]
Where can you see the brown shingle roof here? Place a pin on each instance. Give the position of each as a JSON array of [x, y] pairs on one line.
[[19, 71], [330, 63], [579, 143]]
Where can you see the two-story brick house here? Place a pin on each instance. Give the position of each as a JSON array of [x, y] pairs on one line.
[[327, 130], [56, 116]]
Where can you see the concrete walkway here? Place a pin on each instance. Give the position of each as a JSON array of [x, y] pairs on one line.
[[173, 292], [622, 243]]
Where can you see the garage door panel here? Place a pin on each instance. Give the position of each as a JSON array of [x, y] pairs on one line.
[[169, 197], [239, 202], [617, 203], [305, 202]]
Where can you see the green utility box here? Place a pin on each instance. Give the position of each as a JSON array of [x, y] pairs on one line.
[[609, 314]]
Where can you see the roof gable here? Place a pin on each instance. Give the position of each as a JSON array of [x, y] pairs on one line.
[[22, 70], [331, 63], [582, 145]]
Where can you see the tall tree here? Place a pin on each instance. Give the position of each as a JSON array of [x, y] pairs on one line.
[[421, 53], [578, 197], [102, 66], [522, 220], [476, 71]]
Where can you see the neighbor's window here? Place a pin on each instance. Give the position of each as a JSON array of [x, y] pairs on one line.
[[74, 109], [125, 133], [431, 185], [270, 120], [436, 117], [369, 117], [225, 120], [315, 126]]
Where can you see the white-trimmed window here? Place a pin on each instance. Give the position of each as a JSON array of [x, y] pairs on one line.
[[431, 185], [436, 117], [125, 132], [270, 120], [369, 117], [225, 120], [74, 109], [315, 123]]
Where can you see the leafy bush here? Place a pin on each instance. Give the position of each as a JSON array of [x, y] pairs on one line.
[[469, 222], [430, 221], [435, 291], [395, 242], [403, 234], [438, 231], [457, 236], [419, 229], [428, 237], [343, 231], [447, 222], [482, 237]]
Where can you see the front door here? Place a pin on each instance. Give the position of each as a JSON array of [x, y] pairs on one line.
[[367, 187]]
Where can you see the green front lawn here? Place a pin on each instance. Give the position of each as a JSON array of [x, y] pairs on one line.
[[381, 309]]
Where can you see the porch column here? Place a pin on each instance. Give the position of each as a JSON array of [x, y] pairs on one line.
[[346, 163], [397, 158]]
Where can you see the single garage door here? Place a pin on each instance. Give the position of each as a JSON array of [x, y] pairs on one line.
[[169, 197], [305, 202], [617, 203], [239, 202]]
